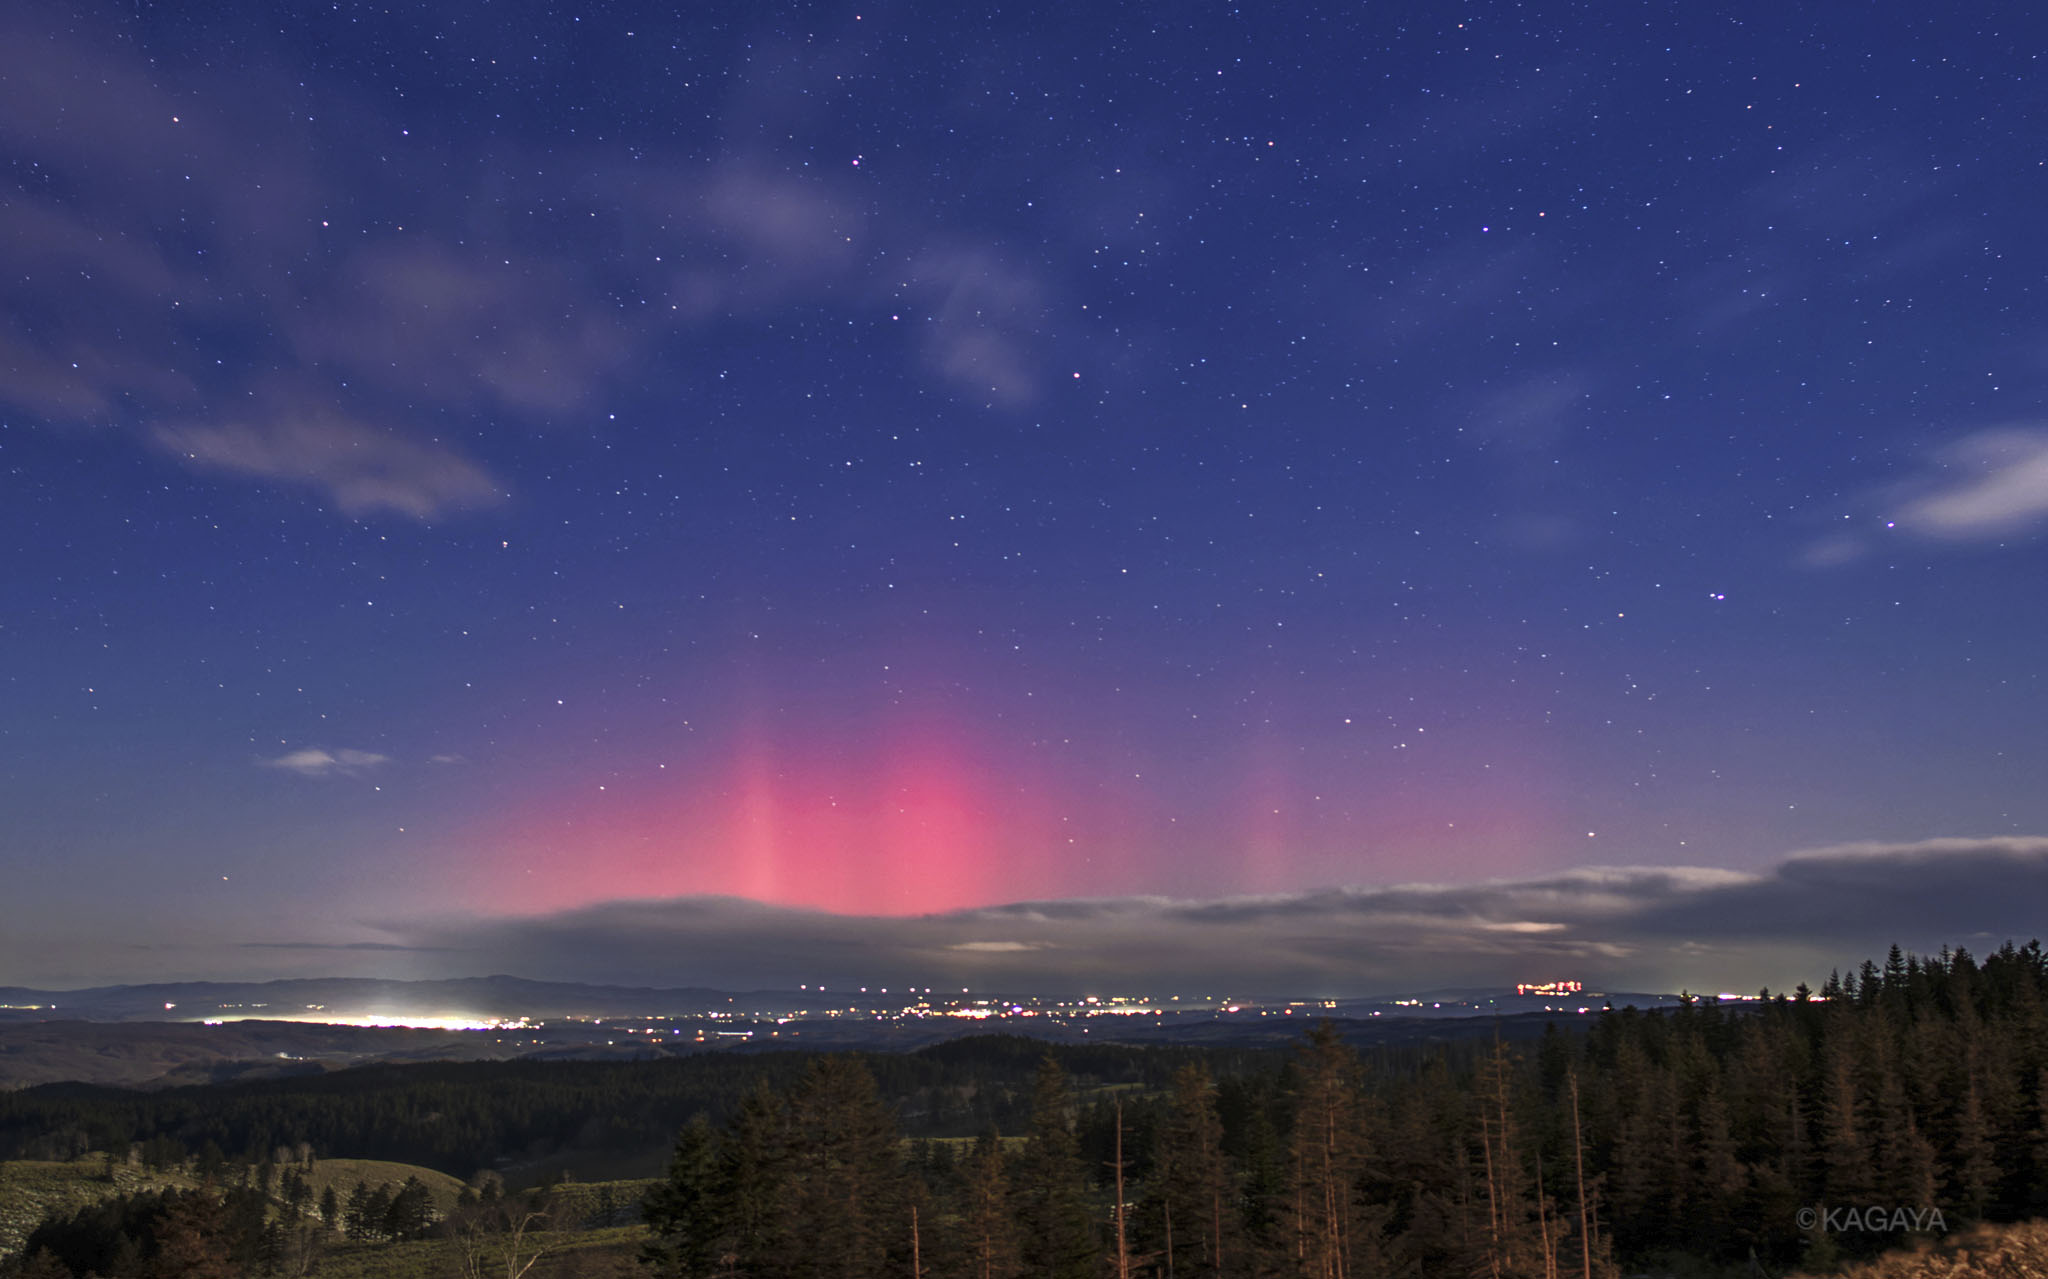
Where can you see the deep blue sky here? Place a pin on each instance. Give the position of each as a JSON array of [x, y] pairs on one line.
[[472, 460]]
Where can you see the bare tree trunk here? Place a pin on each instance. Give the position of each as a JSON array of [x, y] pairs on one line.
[[1512, 1222], [1300, 1210], [1579, 1160], [1333, 1196], [1492, 1200], [1168, 1206], [1216, 1230], [1123, 1256], [916, 1250]]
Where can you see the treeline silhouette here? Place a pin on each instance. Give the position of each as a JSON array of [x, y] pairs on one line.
[[457, 1117], [1918, 1088]]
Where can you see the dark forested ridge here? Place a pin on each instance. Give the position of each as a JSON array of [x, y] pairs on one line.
[[461, 1116], [1919, 1087], [1915, 1093]]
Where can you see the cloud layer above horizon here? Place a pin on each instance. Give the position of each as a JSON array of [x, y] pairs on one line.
[[1640, 928]]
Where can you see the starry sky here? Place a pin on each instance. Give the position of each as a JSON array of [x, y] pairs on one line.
[[1049, 476]]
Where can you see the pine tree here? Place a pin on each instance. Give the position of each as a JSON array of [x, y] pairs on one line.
[[1515, 1215], [682, 1211], [411, 1211], [1715, 1208], [355, 1214], [843, 1201], [192, 1240], [1057, 1232], [1973, 1174], [985, 1218], [1644, 1165], [1194, 1185], [753, 1163], [1262, 1183], [1846, 1152], [1327, 1156], [377, 1212]]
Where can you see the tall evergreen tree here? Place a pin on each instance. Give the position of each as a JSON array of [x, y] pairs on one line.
[[843, 1201], [985, 1217], [753, 1163], [192, 1240], [1058, 1239], [683, 1211], [1194, 1194], [1847, 1154], [1327, 1156], [1973, 1170]]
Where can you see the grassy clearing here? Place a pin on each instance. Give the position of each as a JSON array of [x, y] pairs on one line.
[[31, 1189], [965, 1145], [586, 1254], [343, 1174], [593, 1205]]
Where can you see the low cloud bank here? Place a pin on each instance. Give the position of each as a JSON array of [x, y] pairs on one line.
[[1627, 927]]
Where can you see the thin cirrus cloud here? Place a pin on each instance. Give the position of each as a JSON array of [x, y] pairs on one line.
[[420, 317], [391, 339], [1992, 484], [361, 469], [1650, 927], [314, 761], [1988, 486]]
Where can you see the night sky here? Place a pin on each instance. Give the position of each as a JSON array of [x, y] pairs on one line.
[[480, 482]]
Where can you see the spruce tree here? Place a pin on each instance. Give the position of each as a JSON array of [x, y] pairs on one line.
[[1327, 1157], [192, 1240], [843, 1200], [683, 1210], [985, 1218], [1057, 1232], [1194, 1192], [753, 1163], [1973, 1171]]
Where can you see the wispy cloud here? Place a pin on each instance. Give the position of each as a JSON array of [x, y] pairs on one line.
[[384, 326], [424, 318], [378, 947], [998, 947], [982, 311], [360, 469], [314, 761], [1988, 486], [1628, 926]]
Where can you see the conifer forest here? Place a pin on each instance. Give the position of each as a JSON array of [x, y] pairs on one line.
[[1798, 1132]]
